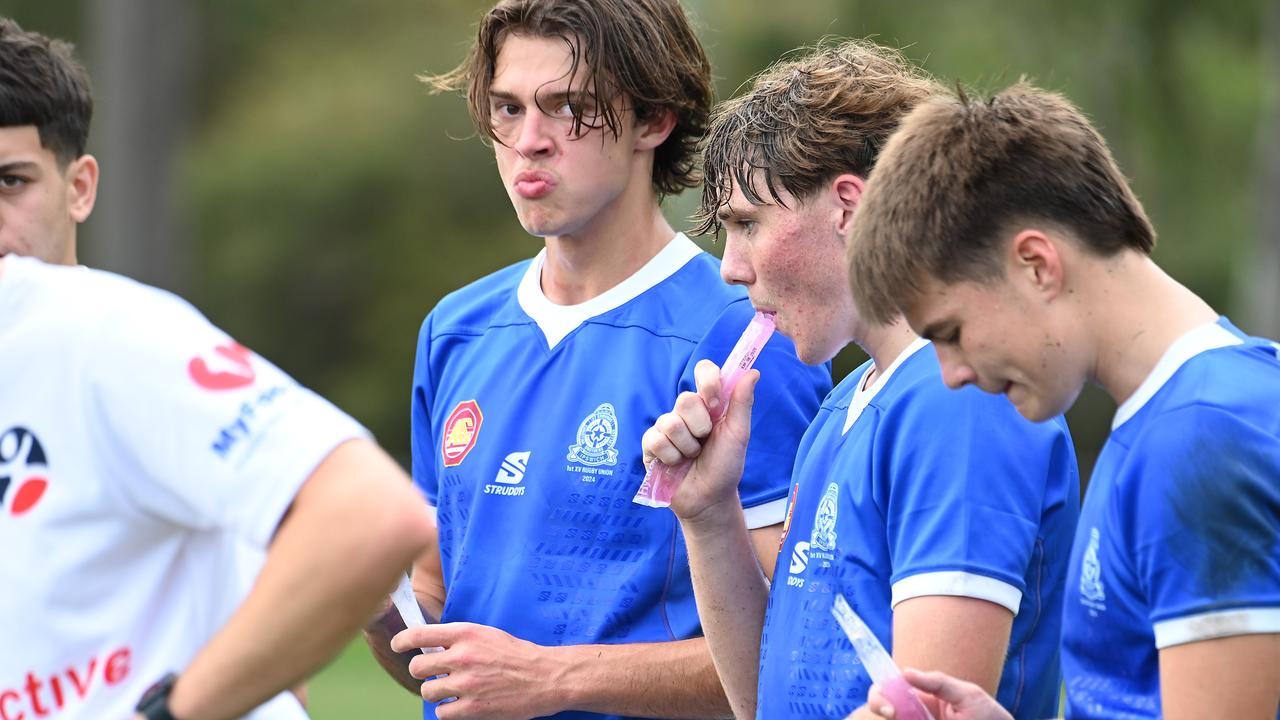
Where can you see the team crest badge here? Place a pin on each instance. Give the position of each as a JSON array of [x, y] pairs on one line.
[[460, 432], [1092, 593], [824, 522], [597, 438]]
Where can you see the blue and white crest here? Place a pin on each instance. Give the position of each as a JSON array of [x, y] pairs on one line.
[[597, 436], [1092, 592], [824, 521]]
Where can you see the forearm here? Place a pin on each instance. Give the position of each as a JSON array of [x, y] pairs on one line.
[[732, 594], [659, 680], [336, 555]]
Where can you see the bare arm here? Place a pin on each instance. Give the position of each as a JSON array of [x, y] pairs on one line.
[[730, 581], [354, 524], [963, 637], [428, 586], [1231, 677]]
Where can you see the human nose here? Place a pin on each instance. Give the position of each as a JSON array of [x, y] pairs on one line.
[[735, 267], [955, 372], [534, 138]]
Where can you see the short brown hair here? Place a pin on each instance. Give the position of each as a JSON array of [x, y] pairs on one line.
[[41, 84], [806, 119], [643, 50], [958, 176]]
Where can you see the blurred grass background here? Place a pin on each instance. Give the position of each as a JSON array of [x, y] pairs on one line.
[[353, 686]]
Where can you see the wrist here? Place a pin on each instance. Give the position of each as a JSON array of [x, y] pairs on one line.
[[713, 518], [563, 691]]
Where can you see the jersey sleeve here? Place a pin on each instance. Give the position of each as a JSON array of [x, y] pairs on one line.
[[962, 479], [1201, 496], [422, 435], [787, 399], [200, 431]]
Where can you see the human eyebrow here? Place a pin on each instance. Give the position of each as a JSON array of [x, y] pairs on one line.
[[728, 213], [20, 166], [935, 330]]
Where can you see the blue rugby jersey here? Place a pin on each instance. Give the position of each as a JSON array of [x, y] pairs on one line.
[[527, 419], [1179, 538], [907, 489]]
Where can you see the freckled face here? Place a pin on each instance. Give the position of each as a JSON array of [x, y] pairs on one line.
[[791, 260], [990, 336]]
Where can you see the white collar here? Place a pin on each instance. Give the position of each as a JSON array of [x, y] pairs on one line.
[[1209, 336], [557, 321], [862, 396]]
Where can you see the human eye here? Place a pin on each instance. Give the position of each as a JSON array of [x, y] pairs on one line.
[[12, 182], [506, 110]]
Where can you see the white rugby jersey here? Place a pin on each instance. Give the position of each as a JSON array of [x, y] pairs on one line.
[[145, 461]]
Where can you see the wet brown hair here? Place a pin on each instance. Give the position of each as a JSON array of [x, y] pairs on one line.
[[805, 120], [963, 173], [643, 52]]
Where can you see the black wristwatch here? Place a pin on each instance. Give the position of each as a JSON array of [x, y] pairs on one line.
[[154, 704]]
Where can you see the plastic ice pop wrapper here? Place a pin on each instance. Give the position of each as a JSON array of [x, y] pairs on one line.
[[879, 664], [407, 603], [661, 481]]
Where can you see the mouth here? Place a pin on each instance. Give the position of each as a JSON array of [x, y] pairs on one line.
[[534, 184]]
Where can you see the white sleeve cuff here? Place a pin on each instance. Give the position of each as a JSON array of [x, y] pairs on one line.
[[1218, 624], [957, 583], [770, 513]]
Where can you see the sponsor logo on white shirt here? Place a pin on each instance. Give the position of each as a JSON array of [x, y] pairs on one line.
[[23, 468], [510, 475]]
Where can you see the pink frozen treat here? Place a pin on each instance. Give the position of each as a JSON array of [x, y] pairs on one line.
[[879, 664], [661, 481]]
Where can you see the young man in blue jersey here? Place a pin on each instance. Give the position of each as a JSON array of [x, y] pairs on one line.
[[557, 594], [1004, 231], [944, 518]]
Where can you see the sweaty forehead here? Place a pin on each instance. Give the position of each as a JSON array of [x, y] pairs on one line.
[[526, 63]]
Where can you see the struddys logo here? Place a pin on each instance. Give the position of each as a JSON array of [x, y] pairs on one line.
[[228, 367], [24, 470]]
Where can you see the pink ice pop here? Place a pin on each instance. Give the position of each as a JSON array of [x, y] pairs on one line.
[[661, 481], [879, 664]]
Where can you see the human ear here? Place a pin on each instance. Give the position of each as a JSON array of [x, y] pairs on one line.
[[846, 191], [1035, 258], [655, 130], [82, 180]]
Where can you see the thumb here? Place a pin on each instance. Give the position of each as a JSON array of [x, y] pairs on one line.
[[940, 685]]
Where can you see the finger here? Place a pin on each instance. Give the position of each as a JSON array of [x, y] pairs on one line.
[[679, 435], [877, 703], [706, 376], [438, 689], [693, 410], [430, 664], [427, 636], [744, 396], [940, 685], [658, 446]]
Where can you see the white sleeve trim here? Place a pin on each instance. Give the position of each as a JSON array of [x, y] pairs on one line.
[[431, 511], [958, 583], [1218, 624], [770, 513]]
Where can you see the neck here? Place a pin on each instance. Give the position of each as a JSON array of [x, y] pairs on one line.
[[884, 343], [1132, 313], [1, 268], [609, 248]]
